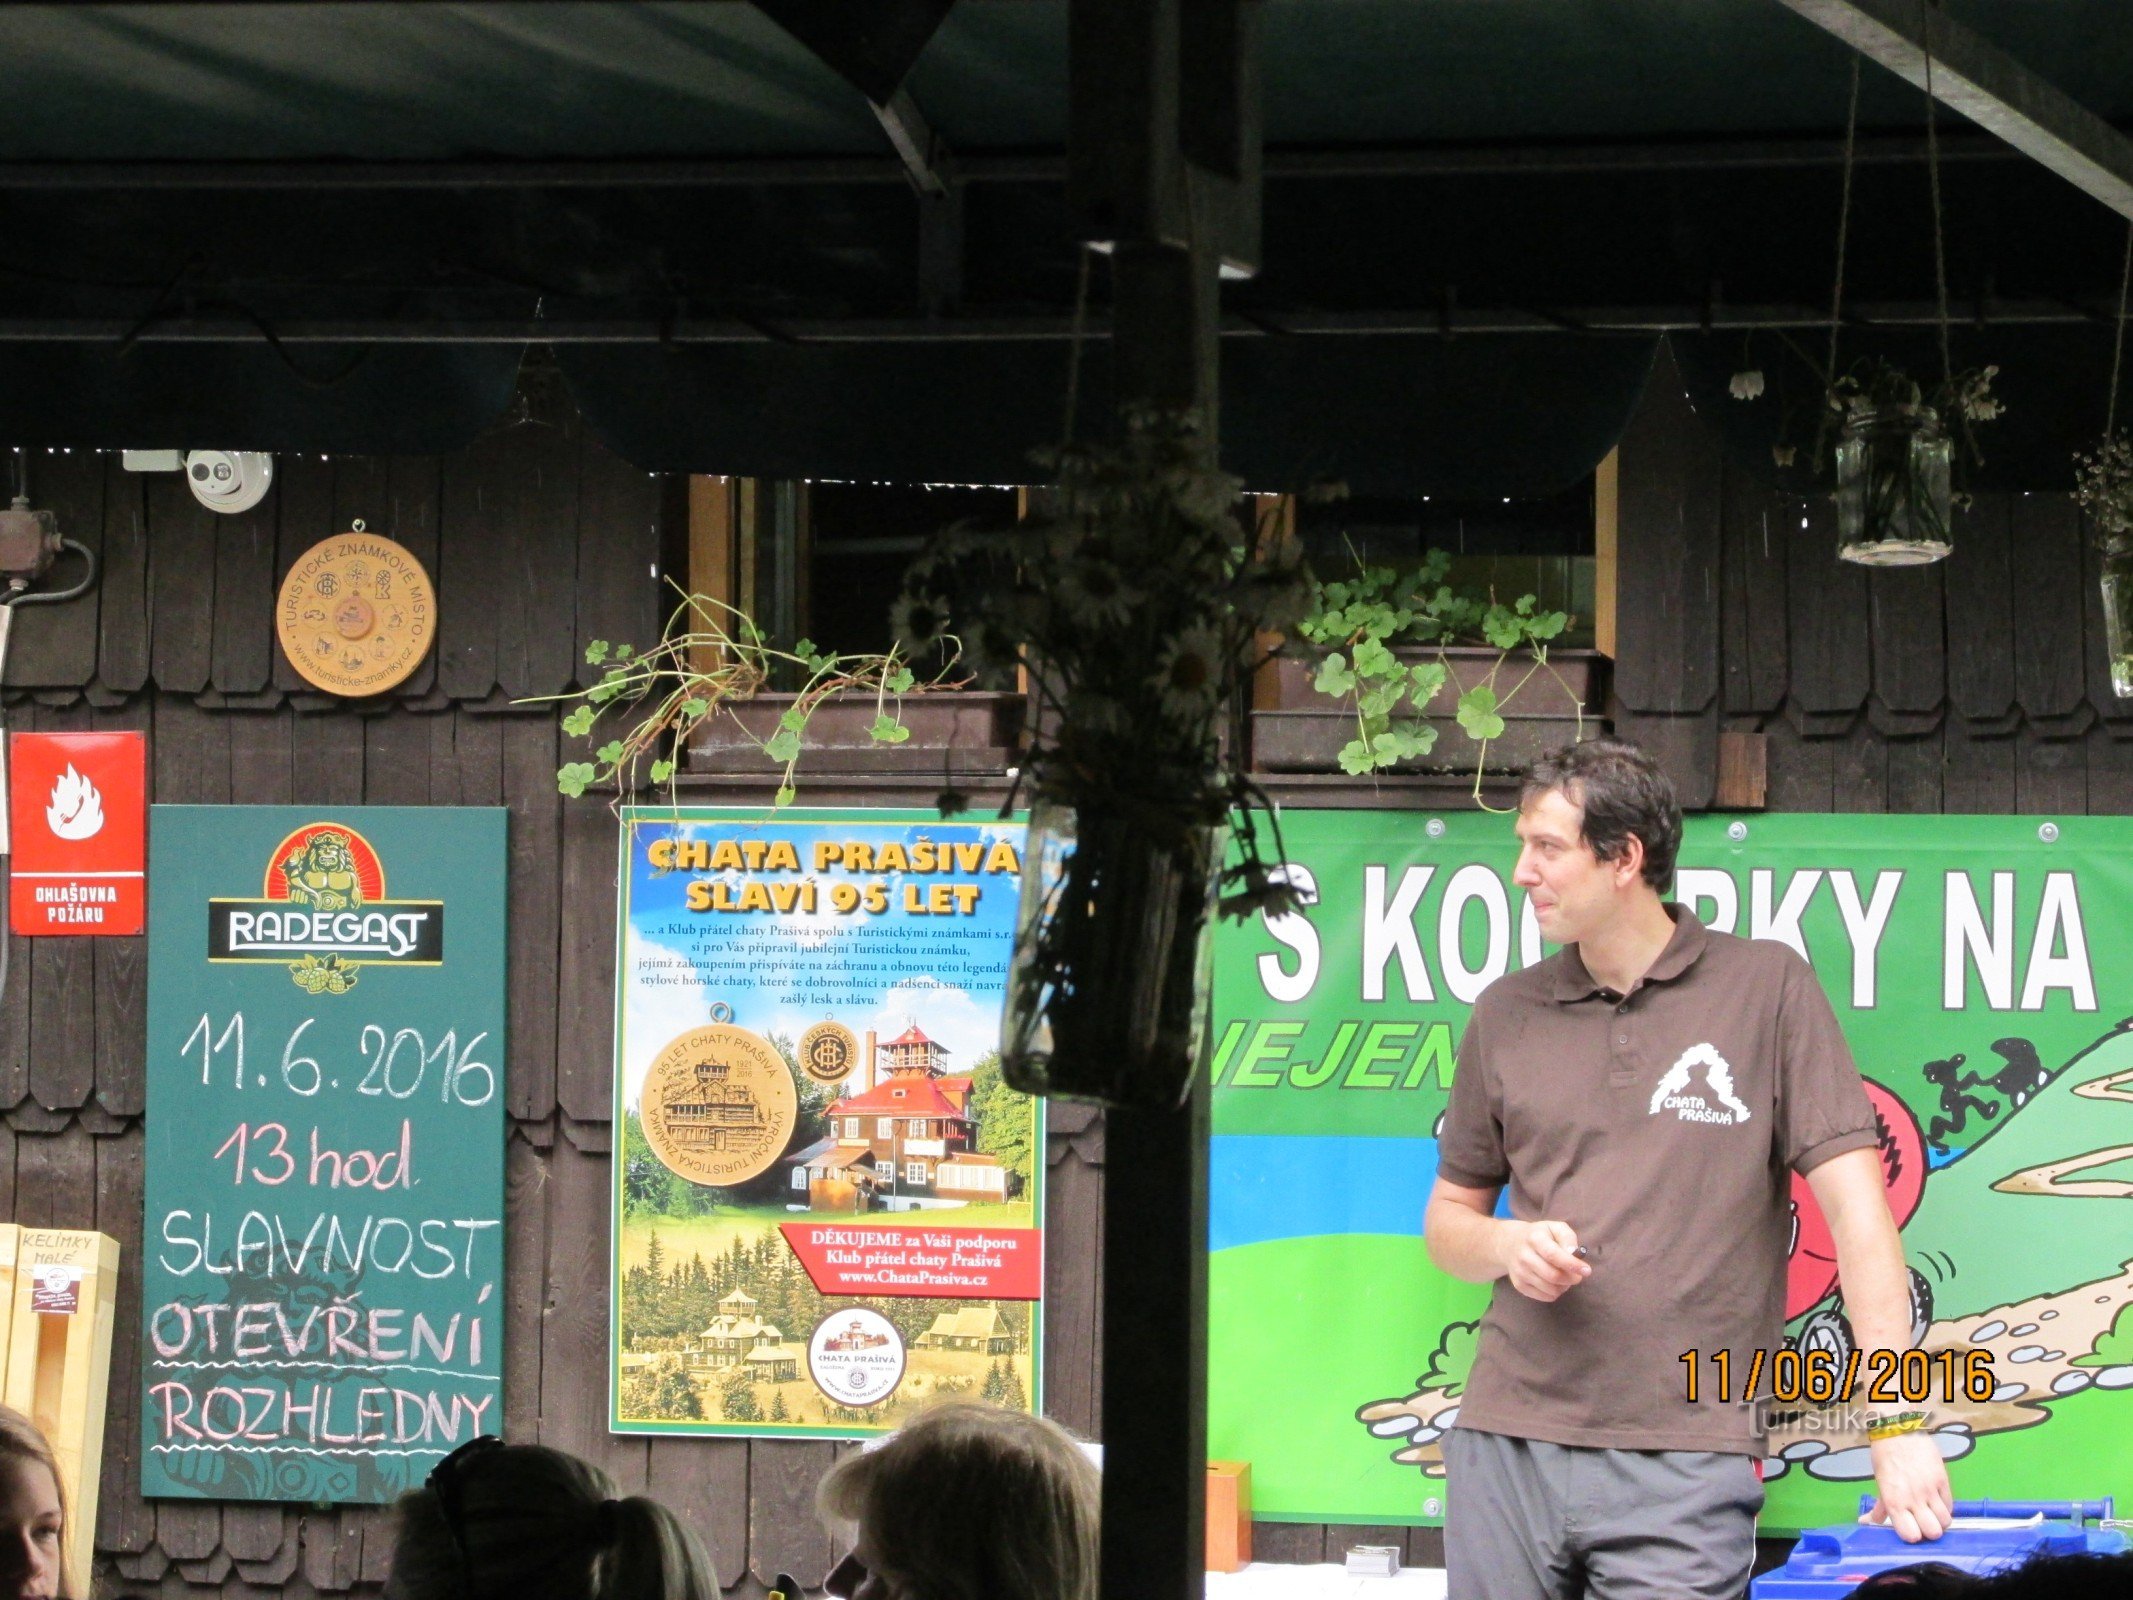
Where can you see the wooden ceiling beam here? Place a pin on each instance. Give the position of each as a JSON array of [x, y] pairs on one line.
[[918, 147], [1975, 77]]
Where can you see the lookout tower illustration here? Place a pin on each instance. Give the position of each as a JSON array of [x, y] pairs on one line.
[[905, 1140], [714, 1115]]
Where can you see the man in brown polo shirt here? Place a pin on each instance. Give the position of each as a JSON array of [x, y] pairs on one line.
[[1644, 1092]]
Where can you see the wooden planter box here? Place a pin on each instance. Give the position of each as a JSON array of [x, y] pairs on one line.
[[1297, 729], [958, 732]]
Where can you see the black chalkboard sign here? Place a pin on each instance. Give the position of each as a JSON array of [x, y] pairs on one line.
[[325, 1130]]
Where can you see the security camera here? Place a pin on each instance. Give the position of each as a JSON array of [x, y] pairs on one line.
[[229, 480]]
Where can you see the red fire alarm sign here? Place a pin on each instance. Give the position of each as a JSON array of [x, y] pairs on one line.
[[78, 805]]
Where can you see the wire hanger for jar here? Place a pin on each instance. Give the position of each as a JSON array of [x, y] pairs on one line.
[[2118, 340], [1940, 252], [1844, 227], [1940, 248]]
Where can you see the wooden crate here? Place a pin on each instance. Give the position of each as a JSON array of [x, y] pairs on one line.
[[59, 1364]]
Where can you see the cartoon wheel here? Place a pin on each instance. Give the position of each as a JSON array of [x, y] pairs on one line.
[[1827, 1332], [1921, 1308], [1811, 1266]]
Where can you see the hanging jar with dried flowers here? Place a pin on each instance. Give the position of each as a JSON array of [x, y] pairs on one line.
[[2104, 486], [1895, 443], [1133, 599], [1895, 484]]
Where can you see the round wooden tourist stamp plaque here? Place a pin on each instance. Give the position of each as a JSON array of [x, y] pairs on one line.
[[357, 613], [718, 1106]]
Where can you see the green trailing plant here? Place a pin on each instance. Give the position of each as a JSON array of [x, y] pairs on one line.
[[1360, 623], [645, 703]]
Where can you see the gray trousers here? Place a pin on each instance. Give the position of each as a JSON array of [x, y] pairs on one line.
[[1528, 1520]]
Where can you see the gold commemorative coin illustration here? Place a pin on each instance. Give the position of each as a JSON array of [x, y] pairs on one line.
[[357, 613], [718, 1105], [828, 1051]]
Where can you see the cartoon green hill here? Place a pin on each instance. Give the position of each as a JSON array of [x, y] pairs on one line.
[[2041, 1203]]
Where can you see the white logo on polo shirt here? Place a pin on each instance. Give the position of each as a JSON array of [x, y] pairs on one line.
[[1672, 1092]]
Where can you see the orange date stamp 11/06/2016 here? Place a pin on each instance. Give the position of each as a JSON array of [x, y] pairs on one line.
[[1818, 1377]]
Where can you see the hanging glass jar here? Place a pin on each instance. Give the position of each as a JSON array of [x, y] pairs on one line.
[[2117, 545], [1107, 993], [1893, 489]]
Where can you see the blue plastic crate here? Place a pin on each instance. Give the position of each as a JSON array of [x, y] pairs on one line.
[[1828, 1563]]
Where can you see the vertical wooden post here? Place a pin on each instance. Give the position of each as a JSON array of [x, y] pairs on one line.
[[1162, 170], [1606, 504], [714, 552]]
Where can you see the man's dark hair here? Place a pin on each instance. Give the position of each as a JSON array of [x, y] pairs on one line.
[[1622, 793]]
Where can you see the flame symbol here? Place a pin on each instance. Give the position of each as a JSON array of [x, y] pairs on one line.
[[77, 810]]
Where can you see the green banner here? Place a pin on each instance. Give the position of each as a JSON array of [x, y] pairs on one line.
[[1982, 969], [325, 1148]]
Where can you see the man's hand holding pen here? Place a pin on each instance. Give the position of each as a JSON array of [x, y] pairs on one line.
[[1544, 1260]]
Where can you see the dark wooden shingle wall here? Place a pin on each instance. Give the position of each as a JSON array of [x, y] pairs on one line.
[[538, 540], [1974, 686], [1977, 684]]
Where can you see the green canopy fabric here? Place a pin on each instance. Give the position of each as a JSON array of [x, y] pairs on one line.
[[489, 87], [398, 82]]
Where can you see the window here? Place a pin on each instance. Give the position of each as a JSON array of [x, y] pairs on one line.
[[886, 1166], [853, 541], [851, 1127], [884, 1127], [914, 1172]]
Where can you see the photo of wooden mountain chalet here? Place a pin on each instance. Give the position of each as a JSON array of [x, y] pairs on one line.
[[904, 1137], [735, 1338]]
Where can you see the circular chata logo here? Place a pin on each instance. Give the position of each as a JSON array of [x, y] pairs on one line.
[[718, 1105], [828, 1051], [856, 1356]]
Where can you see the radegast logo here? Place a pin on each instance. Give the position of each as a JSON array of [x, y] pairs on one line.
[[324, 905]]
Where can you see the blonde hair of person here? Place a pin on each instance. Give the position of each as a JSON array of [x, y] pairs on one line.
[[972, 1502], [524, 1522], [22, 1440]]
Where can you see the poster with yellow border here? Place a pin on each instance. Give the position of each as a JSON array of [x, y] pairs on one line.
[[828, 1205]]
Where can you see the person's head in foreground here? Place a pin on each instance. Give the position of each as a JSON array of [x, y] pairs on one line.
[[32, 1516], [1598, 831], [2077, 1576], [523, 1522], [967, 1502]]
